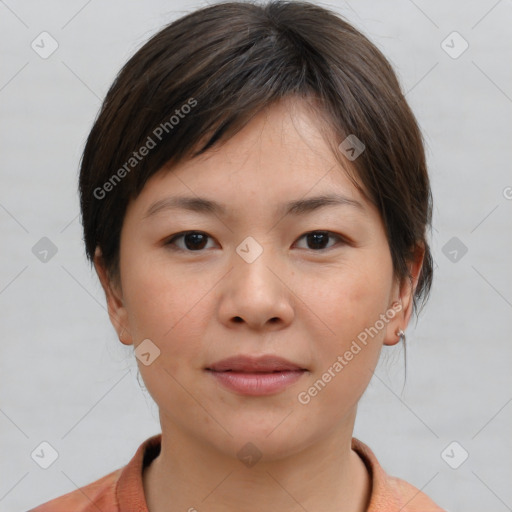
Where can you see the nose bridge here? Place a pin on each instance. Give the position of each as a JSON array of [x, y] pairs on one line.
[[255, 292], [253, 261]]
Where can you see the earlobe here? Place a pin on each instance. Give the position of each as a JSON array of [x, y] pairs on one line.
[[394, 331], [116, 309], [401, 335], [397, 326]]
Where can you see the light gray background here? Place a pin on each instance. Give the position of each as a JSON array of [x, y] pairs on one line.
[[67, 380]]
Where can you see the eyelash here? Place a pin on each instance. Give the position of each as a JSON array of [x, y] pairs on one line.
[[170, 242]]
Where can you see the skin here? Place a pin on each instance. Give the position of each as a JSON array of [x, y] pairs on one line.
[[303, 302]]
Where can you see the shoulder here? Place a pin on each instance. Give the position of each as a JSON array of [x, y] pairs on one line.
[[411, 498], [119, 491], [98, 495], [388, 492]]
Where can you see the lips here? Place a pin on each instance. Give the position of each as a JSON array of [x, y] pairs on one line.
[[256, 376], [248, 364]]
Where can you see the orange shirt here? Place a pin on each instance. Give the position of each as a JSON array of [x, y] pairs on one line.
[[123, 491]]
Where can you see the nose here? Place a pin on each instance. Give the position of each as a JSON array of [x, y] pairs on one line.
[[257, 294]]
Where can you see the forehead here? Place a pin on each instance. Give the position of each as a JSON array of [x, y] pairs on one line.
[[279, 157]]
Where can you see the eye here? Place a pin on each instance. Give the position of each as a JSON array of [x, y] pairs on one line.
[[317, 239], [194, 241]]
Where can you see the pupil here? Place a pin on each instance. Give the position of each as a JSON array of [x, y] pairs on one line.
[[195, 239], [315, 239]]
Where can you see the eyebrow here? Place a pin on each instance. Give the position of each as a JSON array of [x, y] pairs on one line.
[[211, 207]]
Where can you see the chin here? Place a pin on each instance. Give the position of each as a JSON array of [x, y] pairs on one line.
[[269, 440]]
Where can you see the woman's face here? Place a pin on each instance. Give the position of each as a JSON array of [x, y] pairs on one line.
[[253, 280]]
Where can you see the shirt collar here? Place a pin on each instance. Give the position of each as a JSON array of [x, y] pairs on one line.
[[130, 488]]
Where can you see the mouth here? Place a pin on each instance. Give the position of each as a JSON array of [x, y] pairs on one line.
[[256, 376]]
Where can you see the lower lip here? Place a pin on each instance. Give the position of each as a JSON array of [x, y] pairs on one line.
[[257, 384]]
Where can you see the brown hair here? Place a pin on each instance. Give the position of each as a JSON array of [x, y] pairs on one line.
[[201, 78]]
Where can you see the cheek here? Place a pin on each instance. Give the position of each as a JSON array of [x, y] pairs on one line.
[[350, 304], [171, 311], [169, 308], [348, 353], [351, 298]]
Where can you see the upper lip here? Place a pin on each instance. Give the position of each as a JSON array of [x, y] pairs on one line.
[[244, 363]]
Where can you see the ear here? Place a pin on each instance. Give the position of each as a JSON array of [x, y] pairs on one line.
[[403, 298], [116, 309]]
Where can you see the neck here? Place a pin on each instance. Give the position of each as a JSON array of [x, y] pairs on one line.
[[327, 475]]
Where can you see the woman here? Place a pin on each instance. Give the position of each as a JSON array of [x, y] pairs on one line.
[[255, 201]]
